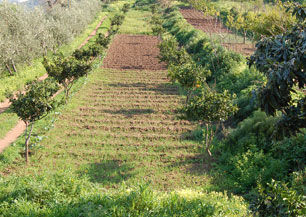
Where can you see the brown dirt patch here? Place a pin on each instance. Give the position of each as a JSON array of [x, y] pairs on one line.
[[206, 24], [134, 52], [212, 26]]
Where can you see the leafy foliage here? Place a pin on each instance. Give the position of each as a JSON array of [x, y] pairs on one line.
[[33, 105], [125, 7], [103, 40], [26, 34], [189, 75], [277, 199], [117, 20], [65, 194], [211, 108], [93, 50], [66, 70], [283, 60], [171, 53]]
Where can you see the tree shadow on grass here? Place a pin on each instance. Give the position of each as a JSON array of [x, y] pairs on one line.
[[108, 172], [163, 89], [199, 164], [128, 113]]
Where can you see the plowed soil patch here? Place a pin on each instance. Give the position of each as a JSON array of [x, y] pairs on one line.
[[212, 26], [206, 24], [134, 52]]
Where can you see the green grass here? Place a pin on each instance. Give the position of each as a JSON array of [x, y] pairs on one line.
[[137, 22], [65, 195], [8, 120], [242, 6]]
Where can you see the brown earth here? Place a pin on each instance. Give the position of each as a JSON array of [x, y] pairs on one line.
[[137, 52], [212, 26], [206, 24]]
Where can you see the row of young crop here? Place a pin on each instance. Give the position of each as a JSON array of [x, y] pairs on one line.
[[27, 33], [258, 156], [37, 100]]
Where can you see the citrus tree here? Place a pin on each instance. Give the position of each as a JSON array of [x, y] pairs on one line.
[[157, 26], [212, 109], [33, 104], [171, 53], [66, 70], [189, 75]]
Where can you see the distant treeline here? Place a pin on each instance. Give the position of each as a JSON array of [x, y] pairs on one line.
[[26, 34]]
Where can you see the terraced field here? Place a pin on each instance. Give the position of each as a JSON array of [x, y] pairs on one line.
[[123, 126]]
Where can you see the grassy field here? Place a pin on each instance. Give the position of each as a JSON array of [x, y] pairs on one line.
[[122, 128]]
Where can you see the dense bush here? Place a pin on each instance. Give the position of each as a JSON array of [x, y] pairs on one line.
[[28, 33], [64, 194]]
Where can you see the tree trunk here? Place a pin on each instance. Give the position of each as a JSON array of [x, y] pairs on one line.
[[9, 70], [244, 37], [208, 139], [14, 67], [27, 141], [66, 95]]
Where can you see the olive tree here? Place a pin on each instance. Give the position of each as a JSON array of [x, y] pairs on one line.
[[33, 104], [27, 34]]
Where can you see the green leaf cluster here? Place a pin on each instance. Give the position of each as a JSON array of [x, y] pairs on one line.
[[36, 101]]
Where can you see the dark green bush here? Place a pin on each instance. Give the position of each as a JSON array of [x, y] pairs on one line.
[[65, 195], [277, 199]]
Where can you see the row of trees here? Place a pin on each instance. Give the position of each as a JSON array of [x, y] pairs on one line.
[[26, 33], [264, 146], [203, 102], [251, 22], [38, 98]]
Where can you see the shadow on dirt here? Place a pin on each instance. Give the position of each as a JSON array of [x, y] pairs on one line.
[[108, 172]]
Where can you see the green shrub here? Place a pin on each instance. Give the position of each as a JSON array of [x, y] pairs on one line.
[[171, 53], [92, 51], [277, 199], [65, 195], [255, 130], [66, 70]]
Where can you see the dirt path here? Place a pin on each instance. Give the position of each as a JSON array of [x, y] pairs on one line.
[[18, 130], [93, 33]]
